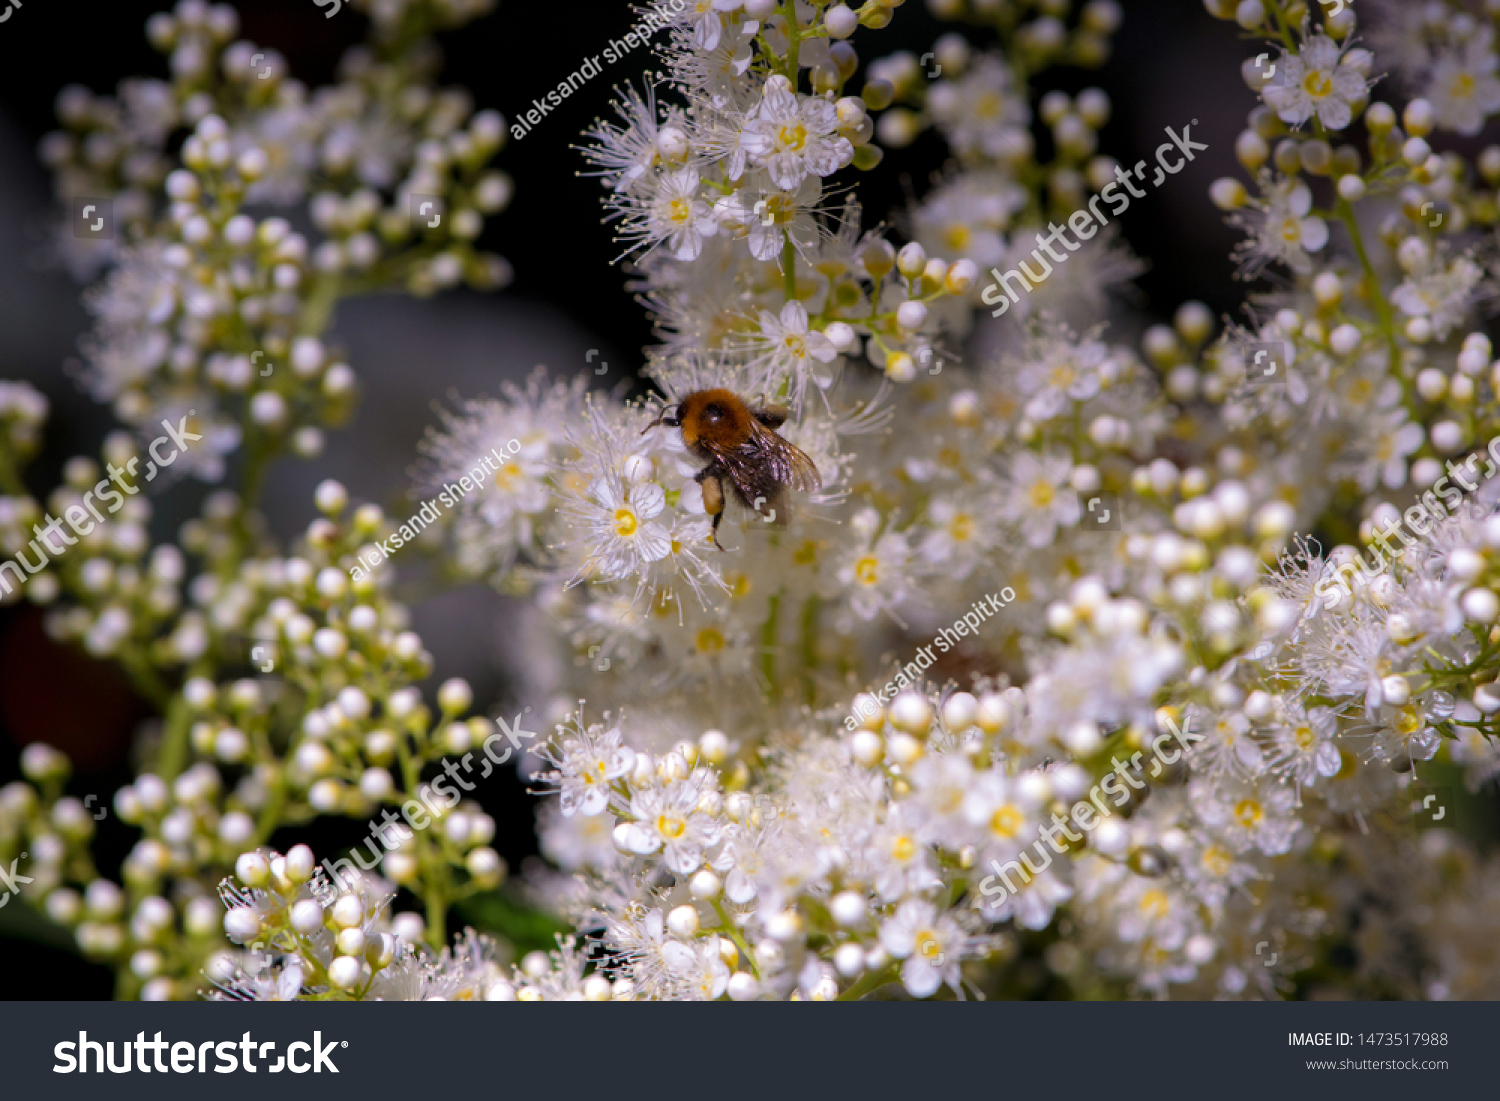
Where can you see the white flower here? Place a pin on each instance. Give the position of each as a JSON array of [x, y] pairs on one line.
[[961, 533], [1304, 745], [766, 219], [1283, 229], [1248, 813], [703, 17], [588, 762], [967, 217], [668, 820], [983, 112], [791, 344], [1463, 87], [1059, 370], [929, 942], [1442, 293], [627, 153], [901, 862], [623, 535], [794, 136], [1313, 82], [875, 575], [1040, 498], [678, 216]]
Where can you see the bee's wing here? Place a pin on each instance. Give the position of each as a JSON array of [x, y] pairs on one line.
[[788, 463], [765, 464]]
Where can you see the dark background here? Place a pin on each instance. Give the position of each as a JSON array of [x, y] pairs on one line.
[[1172, 62]]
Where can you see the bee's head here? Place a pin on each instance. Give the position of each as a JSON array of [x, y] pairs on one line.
[[671, 416]]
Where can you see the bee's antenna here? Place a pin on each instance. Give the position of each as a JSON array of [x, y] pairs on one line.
[[671, 422]]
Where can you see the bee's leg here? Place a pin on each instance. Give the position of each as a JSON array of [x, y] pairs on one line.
[[713, 500]]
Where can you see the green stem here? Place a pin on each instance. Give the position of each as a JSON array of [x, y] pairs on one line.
[[810, 611], [10, 475], [789, 268], [768, 645], [1382, 307], [868, 982], [735, 935], [174, 744]]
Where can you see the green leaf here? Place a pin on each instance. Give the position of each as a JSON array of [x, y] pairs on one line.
[[501, 913]]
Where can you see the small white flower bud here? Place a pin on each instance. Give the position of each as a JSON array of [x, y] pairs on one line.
[[348, 911], [307, 917], [840, 21], [241, 924], [455, 695], [683, 921], [1481, 605], [911, 713], [253, 869], [345, 972], [299, 864], [743, 987], [1395, 690], [848, 908], [867, 747], [351, 942]]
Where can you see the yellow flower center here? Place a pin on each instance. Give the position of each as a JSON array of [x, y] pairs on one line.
[[1462, 86], [1006, 821], [1062, 376], [1304, 736], [671, 826], [681, 211], [1155, 903], [1291, 230], [903, 848], [988, 105], [509, 474], [1317, 84], [1217, 861], [929, 947], [1247, 813], [1347, 765], [867, 570], [1408, 721], [957, 237], [795, 344], [710, 640], [961, 528], [793, 137], [625, 522], [1041, 494]]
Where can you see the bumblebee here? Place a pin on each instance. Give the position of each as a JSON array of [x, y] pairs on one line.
[[739, 443]]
